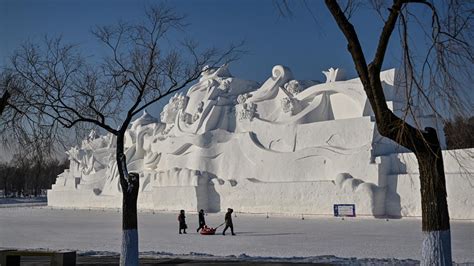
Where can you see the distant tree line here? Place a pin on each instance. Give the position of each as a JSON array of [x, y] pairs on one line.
[[22, 177], [459, 133]]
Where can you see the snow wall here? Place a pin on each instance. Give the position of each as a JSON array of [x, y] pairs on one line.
[[285, 146]]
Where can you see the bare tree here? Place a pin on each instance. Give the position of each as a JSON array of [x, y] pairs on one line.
[[142, 67], [38, 149], [4, 101], [435, 82], [459, 133], [29, 173], [5, 171], [424, 144], [8, 104], [24, 131]]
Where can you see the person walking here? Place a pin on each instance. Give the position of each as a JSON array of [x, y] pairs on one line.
[[228, 222], [202, 221], [182, 222]]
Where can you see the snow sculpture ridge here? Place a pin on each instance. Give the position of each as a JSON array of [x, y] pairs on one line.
[[285, 146], [143, 120], [333, 75]]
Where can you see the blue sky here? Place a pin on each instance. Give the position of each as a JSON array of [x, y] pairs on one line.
[[305, 45], [308, 43]]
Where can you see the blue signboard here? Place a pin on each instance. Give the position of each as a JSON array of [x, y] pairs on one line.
[[348, 210]]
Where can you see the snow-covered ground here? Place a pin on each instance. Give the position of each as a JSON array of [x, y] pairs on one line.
[[311, 239]]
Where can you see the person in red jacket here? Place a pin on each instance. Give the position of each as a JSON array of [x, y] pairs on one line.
[[182, 222]]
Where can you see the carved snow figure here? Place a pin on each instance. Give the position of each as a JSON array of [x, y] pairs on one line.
[[265, 157], [74, 161], [92, 135], [289, 105], [111, 140], [198, 112], [247, 111], [137, 150], [212, 73], [243, 97], [333, 75], [176, 104], [293, 87]]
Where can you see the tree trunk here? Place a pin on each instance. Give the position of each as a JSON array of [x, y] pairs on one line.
[[4, 101], [130, 184], [5, 183], [436, 249], [36, 181], [129, 254]]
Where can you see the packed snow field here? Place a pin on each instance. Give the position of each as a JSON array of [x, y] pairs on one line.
[[314, 239]]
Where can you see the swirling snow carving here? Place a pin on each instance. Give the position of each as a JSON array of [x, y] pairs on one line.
[[285, 146]]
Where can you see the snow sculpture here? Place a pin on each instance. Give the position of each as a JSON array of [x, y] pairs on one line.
[[242, 98], [285, 146], [288, 105], [247, 111], [170, 111], [293, 87], [92, 135], [333, 75]]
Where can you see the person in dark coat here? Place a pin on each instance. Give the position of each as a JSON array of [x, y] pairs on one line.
[[202, 221], [182, 222], [228, 221]]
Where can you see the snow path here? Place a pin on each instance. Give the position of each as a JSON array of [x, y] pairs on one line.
[[83, 230]]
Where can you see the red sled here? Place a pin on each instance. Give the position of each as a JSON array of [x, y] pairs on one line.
[[208, 230]]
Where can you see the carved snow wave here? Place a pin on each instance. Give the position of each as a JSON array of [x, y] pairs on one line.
[[280, 145]]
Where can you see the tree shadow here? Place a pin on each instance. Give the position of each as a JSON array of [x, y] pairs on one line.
[[208, 198], [398, 167], [213, 199]]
